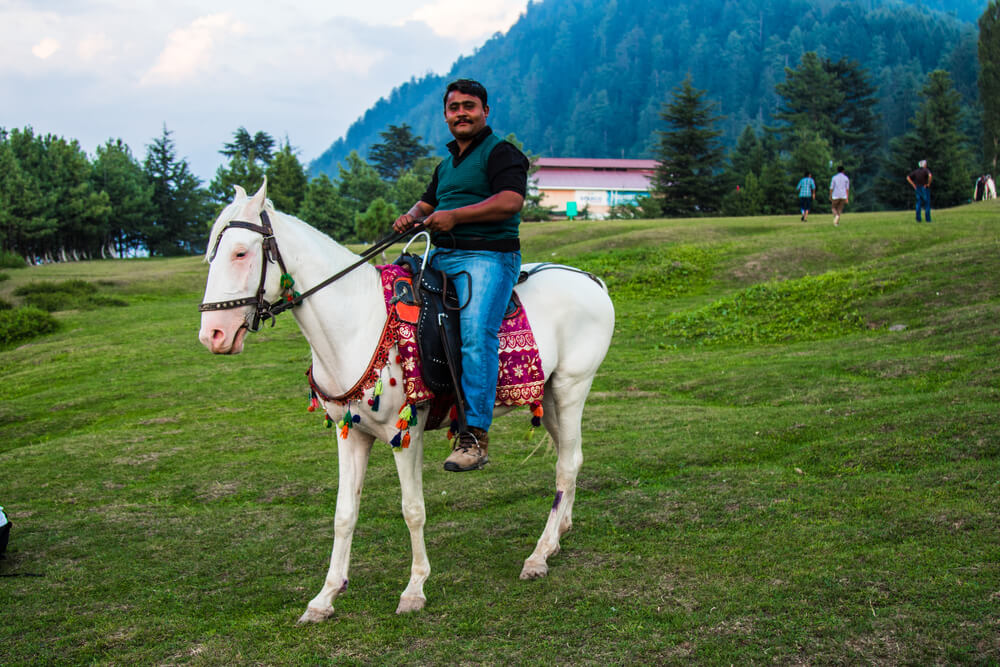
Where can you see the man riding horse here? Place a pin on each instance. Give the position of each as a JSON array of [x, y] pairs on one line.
[[472, 209]]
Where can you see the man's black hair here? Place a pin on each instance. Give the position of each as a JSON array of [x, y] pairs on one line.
[[840, 167], [466, 87], [807, 174]]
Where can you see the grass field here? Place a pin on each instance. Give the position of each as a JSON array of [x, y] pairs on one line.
[[792, 455]]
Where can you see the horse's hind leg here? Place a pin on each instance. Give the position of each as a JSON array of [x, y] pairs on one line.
[[563, 407]]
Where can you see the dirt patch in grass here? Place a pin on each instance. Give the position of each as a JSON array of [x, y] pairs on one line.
[[778, 264]]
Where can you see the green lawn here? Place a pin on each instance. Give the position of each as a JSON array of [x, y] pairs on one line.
[[792, 455]]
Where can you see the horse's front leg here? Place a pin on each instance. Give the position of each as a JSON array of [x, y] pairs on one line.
[[352, 454], [408, 465]]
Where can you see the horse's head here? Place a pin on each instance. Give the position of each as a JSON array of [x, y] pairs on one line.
[[238, 279]]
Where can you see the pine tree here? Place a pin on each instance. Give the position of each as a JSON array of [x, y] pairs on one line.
[[180, 205], [256, 148], [286, 180], [399, 150], [120, 176], [325, 210], [989, 81], [689, 154], [376, 220], [836, 102], [359, 184], [934, 137]]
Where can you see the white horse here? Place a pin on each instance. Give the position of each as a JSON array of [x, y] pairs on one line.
[[571, 316]]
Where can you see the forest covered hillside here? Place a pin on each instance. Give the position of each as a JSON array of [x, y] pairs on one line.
[[589, 77]]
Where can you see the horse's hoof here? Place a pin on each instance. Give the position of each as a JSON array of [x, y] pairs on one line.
[[534, 570], [408, 603], [315, 615]]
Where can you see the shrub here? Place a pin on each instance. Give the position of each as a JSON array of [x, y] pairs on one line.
[[69, 286], [10, 260], [20, 324], [65, 295], [3, 277], [5, 304]]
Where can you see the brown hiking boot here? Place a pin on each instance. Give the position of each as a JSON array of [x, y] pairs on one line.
[[468, 451]]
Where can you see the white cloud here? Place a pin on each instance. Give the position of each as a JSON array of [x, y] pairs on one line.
[[189, 50], [466, 21], [93, 46], [45, 48], [97, 69]]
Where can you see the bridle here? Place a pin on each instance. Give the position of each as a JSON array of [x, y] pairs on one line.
[[265, 310]]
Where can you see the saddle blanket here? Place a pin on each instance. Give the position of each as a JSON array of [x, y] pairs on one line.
[[520, 380]]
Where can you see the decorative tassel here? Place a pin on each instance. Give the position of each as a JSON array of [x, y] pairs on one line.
[[537, 412], [328, 419], [287, 281], [536, 418], [397, 440], [313, 401], [406, 440], [376, 395], [405, 413], [347, 422]]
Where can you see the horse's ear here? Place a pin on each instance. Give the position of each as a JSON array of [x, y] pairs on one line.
[[240, 192], [259, 198]]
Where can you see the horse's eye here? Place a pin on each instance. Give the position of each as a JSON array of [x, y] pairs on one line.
[[241, 254]]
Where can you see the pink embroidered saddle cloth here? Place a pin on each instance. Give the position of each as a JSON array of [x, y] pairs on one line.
[[520, 380]]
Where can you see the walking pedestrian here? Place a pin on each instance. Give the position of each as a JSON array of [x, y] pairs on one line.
[[840, 193], [807, 193]]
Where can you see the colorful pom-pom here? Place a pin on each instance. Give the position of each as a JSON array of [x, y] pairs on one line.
[[536, 422], [329, 421], [397, 440], [356, 419], [392, 382], [406, 440]]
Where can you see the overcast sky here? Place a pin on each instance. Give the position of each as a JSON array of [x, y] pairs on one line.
[[97, 69]]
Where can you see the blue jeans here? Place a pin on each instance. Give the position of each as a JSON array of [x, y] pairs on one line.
[[486, 290], [924, 199]]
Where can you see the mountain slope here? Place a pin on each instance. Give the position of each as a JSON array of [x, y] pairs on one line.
[[588, 77]]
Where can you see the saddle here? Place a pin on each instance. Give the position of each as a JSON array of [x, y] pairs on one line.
[[430, 301]]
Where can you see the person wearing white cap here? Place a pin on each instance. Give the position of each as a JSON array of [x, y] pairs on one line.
[[920, 178]]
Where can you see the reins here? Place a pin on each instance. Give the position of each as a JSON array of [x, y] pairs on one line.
[[264, 309]]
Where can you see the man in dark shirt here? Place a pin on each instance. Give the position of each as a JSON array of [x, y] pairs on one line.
[[920, 178], [472, 209]]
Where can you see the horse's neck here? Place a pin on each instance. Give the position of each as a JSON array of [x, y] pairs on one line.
[[342, 321]]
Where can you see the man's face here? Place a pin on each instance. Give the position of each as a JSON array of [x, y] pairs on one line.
[[465, 115]]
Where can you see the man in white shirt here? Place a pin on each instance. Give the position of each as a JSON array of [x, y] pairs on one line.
[[840, 193]]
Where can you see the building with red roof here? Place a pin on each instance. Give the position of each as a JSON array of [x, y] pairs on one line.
[[569, 185]]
